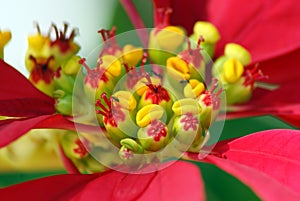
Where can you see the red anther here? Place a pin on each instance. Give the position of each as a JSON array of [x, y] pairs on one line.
[[82, 61]]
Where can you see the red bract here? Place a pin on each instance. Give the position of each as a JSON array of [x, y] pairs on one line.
[[268, 162], [268, 29], [180, 181], [29, 107]]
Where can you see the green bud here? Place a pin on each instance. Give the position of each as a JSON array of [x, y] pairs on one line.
[[64, 104], [237, 93], [71, 66]]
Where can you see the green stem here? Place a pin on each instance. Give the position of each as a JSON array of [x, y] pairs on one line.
[[2, 53]]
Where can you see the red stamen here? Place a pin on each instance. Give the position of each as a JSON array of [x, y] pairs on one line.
[[200, 40], [252, 75], [113, 113], [212, 97], [87, 68], [162, 17]]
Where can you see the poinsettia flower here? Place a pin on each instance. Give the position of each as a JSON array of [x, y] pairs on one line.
[[272, 173], [269, 31]]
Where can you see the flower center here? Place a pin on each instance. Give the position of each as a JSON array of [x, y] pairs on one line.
[[157, 130], [41, 70]]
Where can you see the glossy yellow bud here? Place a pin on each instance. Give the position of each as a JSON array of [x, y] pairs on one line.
[[37, 42], [178, 68], [186, 105], [148, 113], [209, 32], [194, 88], [238, 52], [126, 100], [170, 38], [232, 70], [132, 55], [112, 64], [5, 37]]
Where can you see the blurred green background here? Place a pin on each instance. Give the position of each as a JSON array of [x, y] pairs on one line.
[[219, 185]]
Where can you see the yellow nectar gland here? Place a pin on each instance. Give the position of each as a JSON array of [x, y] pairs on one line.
[[178, 68], [209, 32], [232, 70], [132, 55], [194, 88], [233, 50], [170, 38], [148, 113]]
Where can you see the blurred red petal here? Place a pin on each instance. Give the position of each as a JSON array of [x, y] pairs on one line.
[[58, 188], [180, 181], [18, 97], [263, 185], [12, 129], [283, 68], [273, 152], [265, 28], [196, 11]]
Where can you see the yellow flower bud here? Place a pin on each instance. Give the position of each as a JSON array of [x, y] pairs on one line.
[[209, 32], [238, 52], [5, 37], [132, 55], [72, 66], [186, 105], [148, 113], [193, 89], [37, 42], [126, 100], [232, 70], [112, 64], [170, 38], [178, 68]]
